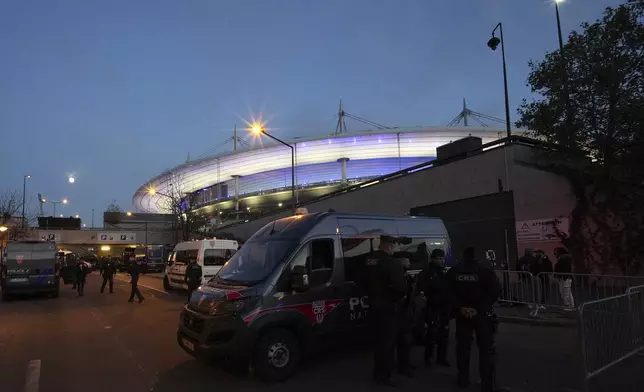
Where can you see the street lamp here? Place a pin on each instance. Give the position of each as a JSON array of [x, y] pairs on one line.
[[24, 193], [493, 43], [564, 71], [64, 201], [257, 129], [559, 24], [3, 229]]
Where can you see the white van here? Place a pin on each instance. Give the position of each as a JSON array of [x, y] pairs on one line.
[[211, 255]]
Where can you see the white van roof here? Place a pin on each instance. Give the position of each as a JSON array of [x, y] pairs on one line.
[[209, 244]]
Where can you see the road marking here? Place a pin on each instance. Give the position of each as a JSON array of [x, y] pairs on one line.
[[147, 287], [32, 383]]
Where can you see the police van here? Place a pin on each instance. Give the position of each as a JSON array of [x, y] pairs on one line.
[[29, 267], [294, 284], [210, 254]]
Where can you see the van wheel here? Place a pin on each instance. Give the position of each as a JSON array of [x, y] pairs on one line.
[[166, 284], [277, 355]]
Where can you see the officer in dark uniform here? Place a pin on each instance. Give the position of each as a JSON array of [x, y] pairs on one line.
[[193, 277], [433, 283], [406, 323], [81, 277], [474, 290], [136, 269], [386, 287], [108, 270]]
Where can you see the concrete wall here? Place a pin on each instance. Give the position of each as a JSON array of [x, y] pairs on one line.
[[537, 194]]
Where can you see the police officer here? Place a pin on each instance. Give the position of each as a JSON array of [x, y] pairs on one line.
[[108, 269], [386, 287], [474, 289], [433, 283], [81, 277], [136, 269], [193, 277], [406, 324]]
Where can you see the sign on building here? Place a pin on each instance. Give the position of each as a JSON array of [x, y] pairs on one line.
[[541, 230], [117, 237], [49, 237]]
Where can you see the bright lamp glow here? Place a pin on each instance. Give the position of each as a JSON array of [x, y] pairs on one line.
[[71, 180], [256, 128], [399, 143], [3, 228], [105, 248], [128, 213], [64, 201], [77, 216]]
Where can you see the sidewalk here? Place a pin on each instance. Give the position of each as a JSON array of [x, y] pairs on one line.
[[521, 314]]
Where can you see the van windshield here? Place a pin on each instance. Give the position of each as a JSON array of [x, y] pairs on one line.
[[255, 261]]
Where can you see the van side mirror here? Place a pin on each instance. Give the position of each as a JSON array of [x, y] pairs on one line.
[[299, 279]]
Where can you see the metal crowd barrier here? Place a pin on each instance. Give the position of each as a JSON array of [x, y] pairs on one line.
[[516, 287], [545, 289], [611, 330]]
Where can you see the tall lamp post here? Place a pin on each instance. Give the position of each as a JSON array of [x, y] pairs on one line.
[[55, 203], [493, 43], [564, 71], [259, 130], [559, 24], [24, 193]]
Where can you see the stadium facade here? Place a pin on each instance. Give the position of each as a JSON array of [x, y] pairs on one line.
[[259, 179]]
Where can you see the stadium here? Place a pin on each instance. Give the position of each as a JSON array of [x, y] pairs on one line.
[[244, 183]]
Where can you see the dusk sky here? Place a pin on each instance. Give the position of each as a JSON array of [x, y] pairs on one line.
[[115, 92]]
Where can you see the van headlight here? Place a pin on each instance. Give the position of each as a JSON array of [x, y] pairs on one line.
[[232, 306]]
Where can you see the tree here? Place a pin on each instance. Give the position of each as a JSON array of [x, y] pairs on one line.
[[113, 207], [605, 122], [11, 213], [174, 199]]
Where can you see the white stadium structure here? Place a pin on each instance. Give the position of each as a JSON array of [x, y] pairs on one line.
[[259, 179]]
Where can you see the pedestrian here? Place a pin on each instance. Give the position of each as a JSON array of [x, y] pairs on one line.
[[474, 289], [433, 283], [108, 270], [82, 269], [563, 274], [404, 337], [542, 269], [135, 271], [386, 287], [192, 277]]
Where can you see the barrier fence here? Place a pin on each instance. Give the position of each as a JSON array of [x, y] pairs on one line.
[[550, 290], [611, 330]]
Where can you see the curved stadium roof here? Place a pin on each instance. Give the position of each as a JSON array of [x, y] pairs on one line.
[[370, 153]]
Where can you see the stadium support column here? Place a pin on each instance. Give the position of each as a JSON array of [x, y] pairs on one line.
[[236, 185], [343, 170]]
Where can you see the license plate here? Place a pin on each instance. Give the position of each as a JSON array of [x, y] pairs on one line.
[[188, 344], [19, 280]]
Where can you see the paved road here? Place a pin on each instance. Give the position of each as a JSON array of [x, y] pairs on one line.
[[102, 343]]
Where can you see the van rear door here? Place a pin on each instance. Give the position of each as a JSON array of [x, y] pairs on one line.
[[214, 257], [30, 263]]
